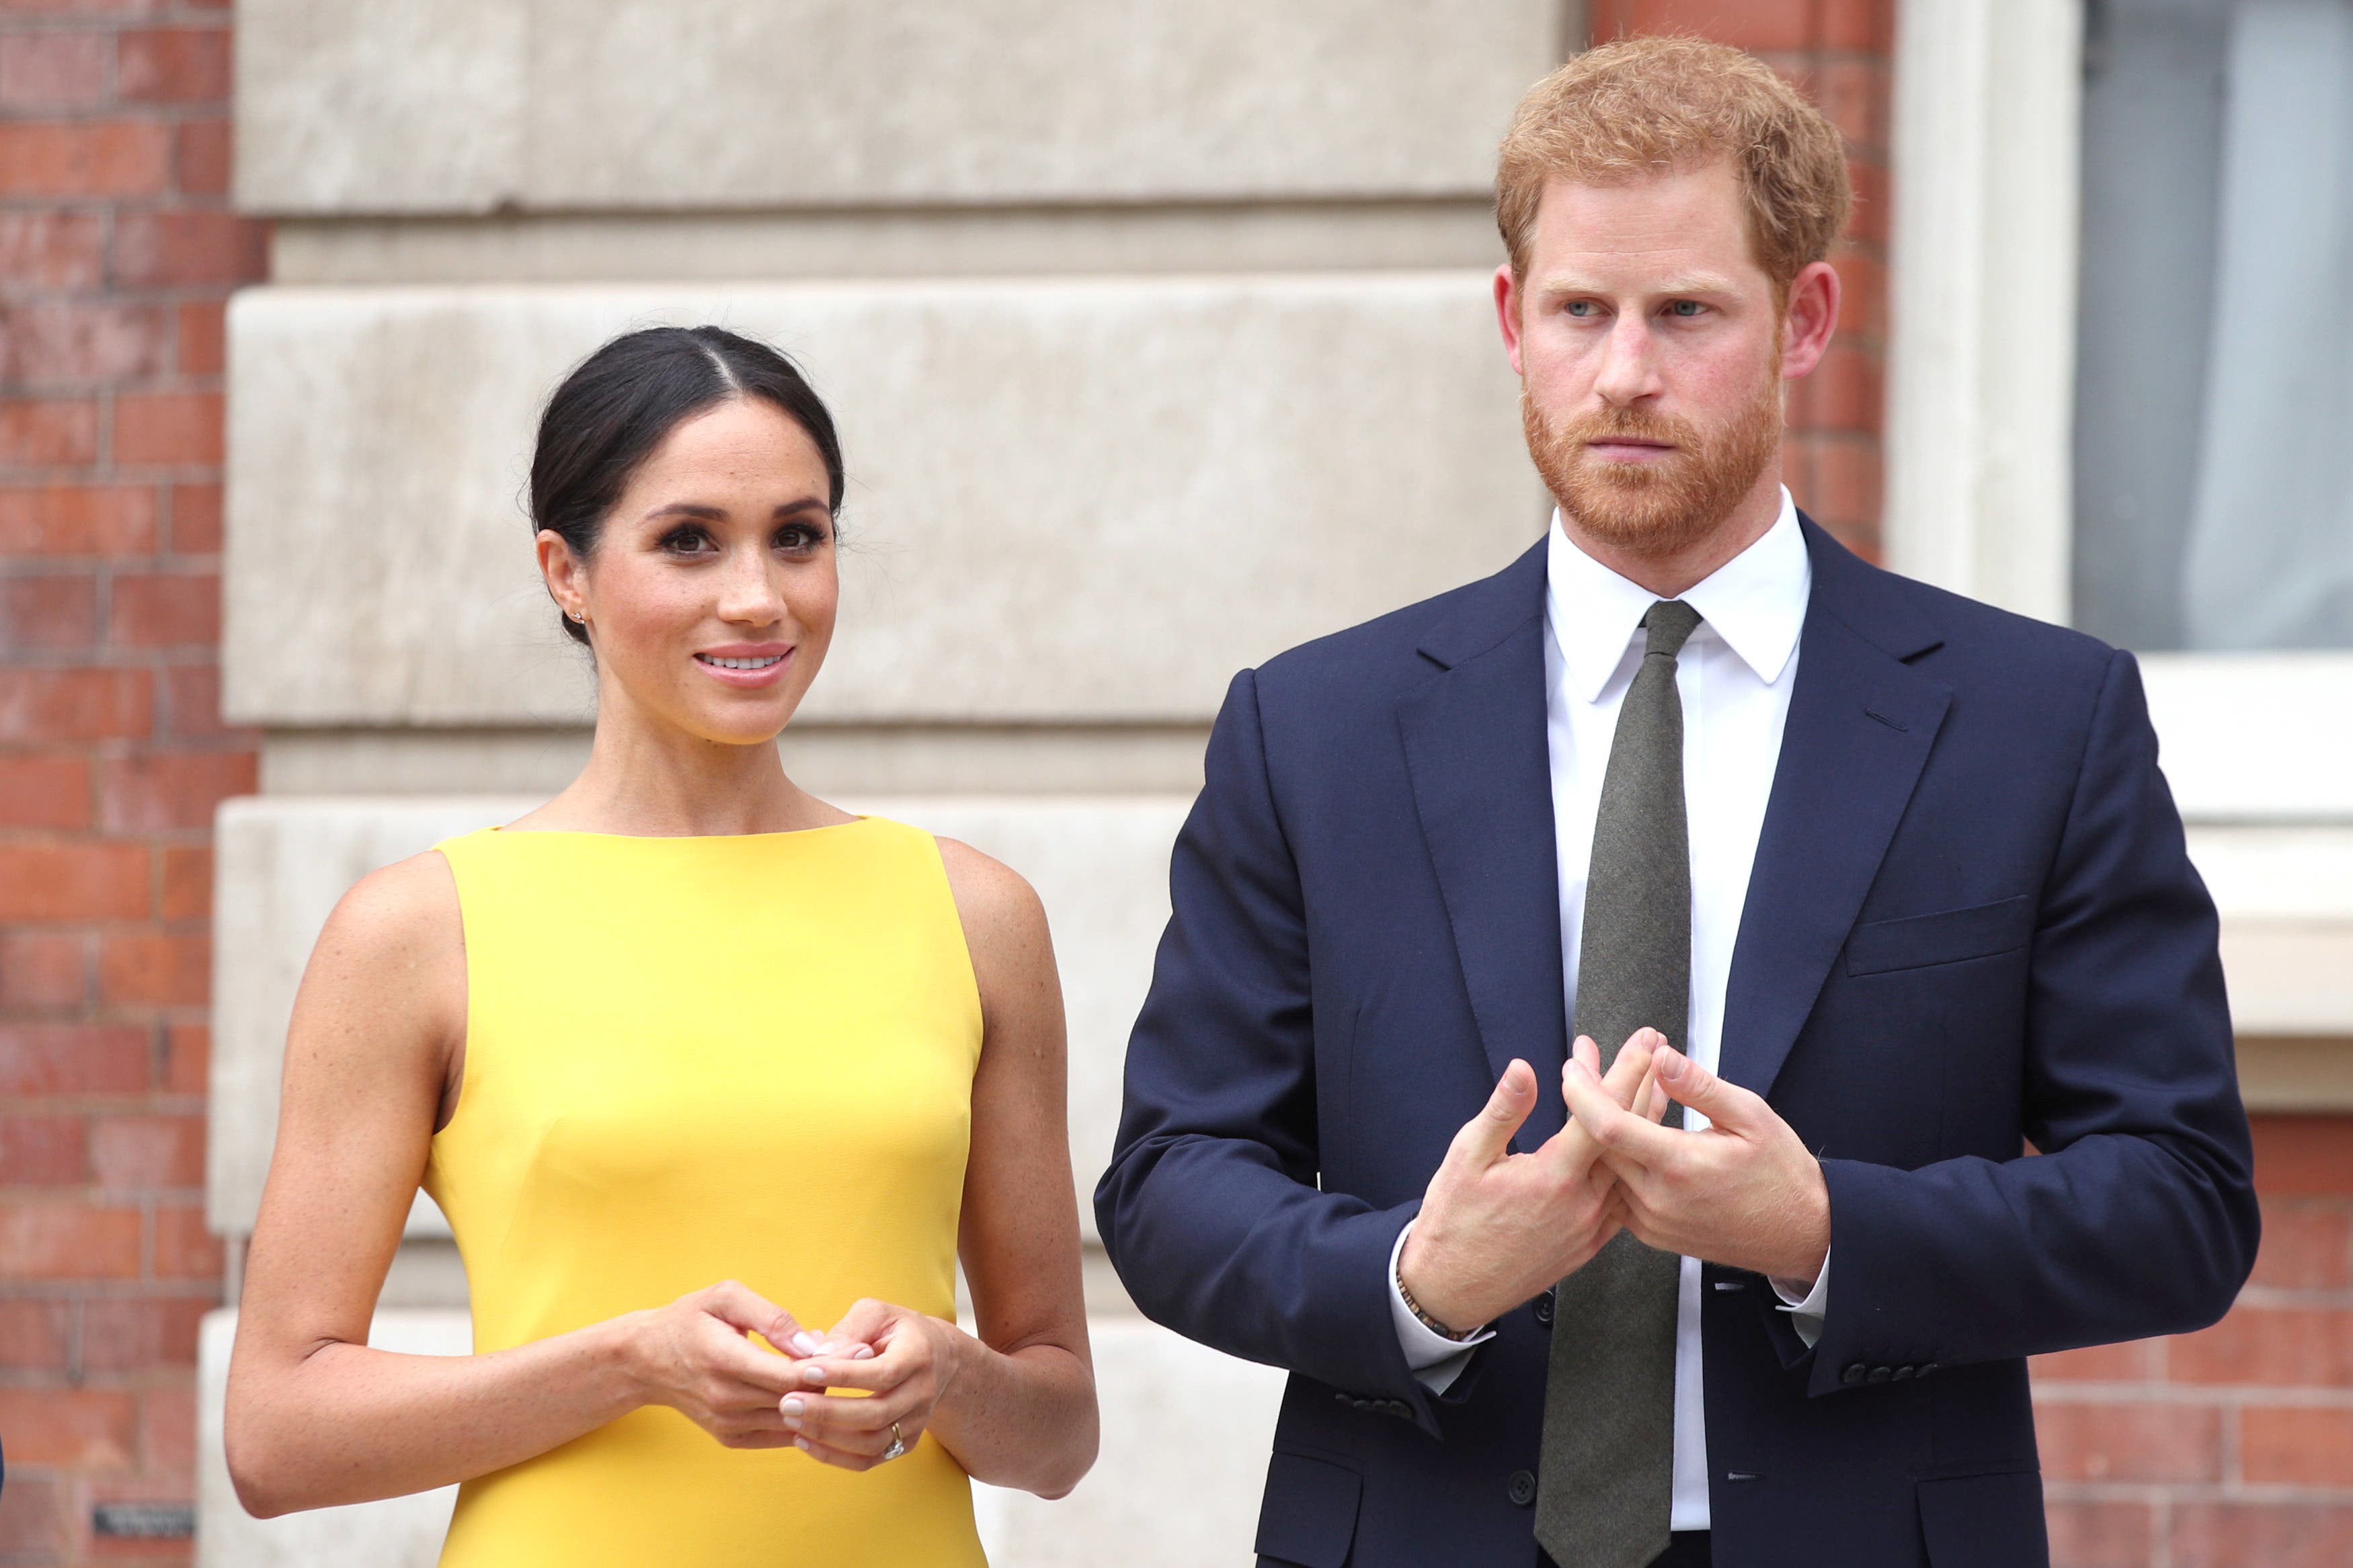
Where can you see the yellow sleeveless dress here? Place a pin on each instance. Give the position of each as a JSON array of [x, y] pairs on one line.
[[697, 1060]]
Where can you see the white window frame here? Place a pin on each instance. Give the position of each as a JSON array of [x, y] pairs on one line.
[[1979, 432]]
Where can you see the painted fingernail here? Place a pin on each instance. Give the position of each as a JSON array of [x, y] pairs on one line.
[[803, 1444], [792, 1409], [806, 1342], [864, 1353], [814, 1374]]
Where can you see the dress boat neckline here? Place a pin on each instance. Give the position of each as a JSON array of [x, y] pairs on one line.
[[859, 820]]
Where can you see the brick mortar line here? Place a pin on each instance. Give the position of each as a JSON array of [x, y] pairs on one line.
[[168, 656], [2277, 1298], [101, 1288], [118, 22], [88, 1105], [152, 564], [169, 111], [2200, 1394]]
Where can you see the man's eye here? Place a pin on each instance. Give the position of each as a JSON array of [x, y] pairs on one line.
[[1580, 308], [1686, 308]]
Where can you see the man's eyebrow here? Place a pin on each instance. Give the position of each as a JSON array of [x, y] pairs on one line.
[[1686, 283]]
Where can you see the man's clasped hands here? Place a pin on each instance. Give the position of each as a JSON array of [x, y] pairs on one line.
[[1497, 1228]]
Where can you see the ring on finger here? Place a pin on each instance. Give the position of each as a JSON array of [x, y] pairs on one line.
[[898, 1445]]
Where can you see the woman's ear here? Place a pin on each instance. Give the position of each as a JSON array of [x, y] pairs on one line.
[[565, 574]]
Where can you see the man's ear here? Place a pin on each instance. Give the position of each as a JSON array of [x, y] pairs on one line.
[[1809, 320], [1507, 315]]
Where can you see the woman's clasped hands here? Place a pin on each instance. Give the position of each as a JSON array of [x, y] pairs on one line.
[[843, 1397]]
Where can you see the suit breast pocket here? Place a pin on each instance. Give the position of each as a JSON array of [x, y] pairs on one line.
[[1948, 936]]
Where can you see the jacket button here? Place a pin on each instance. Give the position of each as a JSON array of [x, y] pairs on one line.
[[1522, 1489], [1904, 1373], [1927, 1367], [1878, 1374], [1850, 1376], [1544, 1309]]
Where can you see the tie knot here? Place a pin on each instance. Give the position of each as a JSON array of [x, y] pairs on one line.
[[1670, 623]]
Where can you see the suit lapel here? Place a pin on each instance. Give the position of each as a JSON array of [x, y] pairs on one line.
[[1475, 750], [1862, 723]]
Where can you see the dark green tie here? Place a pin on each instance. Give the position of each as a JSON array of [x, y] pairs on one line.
[[1606, 1480]]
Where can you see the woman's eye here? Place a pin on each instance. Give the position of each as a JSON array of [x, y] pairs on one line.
[[686, 541], [799, 536]]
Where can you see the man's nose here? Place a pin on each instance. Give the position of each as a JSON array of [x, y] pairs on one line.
[[1628, 363]]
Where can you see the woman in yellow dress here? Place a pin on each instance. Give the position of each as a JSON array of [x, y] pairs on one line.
[[715, 1082]]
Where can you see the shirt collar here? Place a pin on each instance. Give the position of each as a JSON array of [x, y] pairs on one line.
[[1755, 603]]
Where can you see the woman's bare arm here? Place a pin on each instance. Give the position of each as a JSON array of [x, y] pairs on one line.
[[314, 1416], [1015, 1405]]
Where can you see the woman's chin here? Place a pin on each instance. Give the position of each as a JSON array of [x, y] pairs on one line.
[[747, 725]]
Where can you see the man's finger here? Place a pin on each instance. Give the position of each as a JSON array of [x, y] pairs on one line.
[[1725, 1105], [1483, 1138], [1617, 1130], [1586, 1051]]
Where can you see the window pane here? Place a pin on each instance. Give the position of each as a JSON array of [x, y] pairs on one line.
[[2214, 393]]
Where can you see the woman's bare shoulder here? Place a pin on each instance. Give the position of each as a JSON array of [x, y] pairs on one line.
[[1004, 921], [395, 938]]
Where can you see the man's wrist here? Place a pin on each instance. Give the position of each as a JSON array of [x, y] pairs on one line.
[[1439, 1322], [1421, 1316]]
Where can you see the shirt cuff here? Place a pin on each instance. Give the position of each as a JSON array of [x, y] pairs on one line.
[[1806, 1312], [1435, 1359]]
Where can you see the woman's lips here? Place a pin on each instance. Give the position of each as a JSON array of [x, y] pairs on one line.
[[747, 669]]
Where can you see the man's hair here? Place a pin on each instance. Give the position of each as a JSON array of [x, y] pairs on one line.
[[1642, 106]]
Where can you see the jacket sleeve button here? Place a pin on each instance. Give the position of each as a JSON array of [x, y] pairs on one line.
[[1850, 1376], [1878, 1374], [1904, 1373], [1522, 1489], [1927, 1367]]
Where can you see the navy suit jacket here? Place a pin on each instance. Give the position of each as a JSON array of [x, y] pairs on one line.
[[1972, 926]]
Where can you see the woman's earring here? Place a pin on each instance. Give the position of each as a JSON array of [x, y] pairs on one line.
[[577, 616]]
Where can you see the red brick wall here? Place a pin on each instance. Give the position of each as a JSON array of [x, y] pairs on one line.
[[1839, 52], [116, 252], [2232, 1448]]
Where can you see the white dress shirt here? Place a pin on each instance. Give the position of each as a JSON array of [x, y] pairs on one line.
[[1735, 677]]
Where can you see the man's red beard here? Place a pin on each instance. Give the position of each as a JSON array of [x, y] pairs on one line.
[[1666, 505]]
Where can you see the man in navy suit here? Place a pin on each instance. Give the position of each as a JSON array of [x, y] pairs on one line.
[[1569, 975]]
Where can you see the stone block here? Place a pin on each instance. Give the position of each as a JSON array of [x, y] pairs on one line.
[[1184, 1440], [1085, 501], [1185, 1431], [467, 105], [412, 108], [1099, 866], [396, 1532]]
